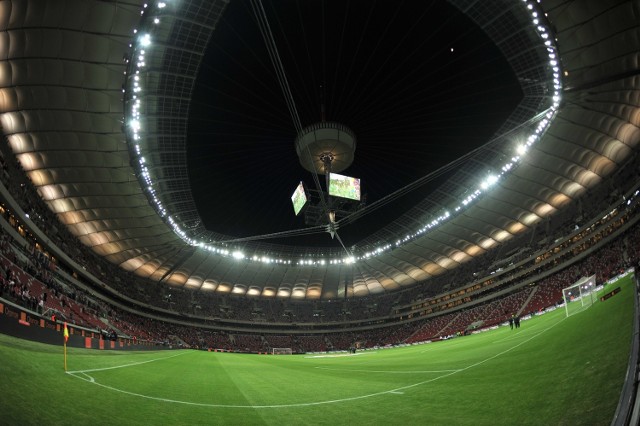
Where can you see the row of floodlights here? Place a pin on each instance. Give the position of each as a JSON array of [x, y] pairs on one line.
[[239, 255], [144, 42]]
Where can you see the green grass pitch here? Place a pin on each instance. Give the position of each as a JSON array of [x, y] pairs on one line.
[[553, 370]]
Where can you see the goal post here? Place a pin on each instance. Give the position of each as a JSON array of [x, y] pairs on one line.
[[281, 351], [579, 295]]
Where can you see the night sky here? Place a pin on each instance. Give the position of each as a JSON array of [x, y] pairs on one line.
[[416, 81]]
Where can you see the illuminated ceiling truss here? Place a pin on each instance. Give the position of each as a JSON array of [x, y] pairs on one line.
[[66, 67]]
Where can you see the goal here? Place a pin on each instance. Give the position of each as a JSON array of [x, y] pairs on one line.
[[281, 351], [579, 295]]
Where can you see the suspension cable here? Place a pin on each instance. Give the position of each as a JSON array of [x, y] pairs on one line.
[[282, 234], [431, 176], [265, 29], [267, 34]]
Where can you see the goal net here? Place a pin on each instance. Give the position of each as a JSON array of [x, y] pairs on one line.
[[281, 351], [580, 295]]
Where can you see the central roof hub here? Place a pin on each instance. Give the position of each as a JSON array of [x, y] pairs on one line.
[[325, 144]]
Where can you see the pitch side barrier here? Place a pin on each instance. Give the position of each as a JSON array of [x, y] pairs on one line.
[[25, 324], [628, 411]]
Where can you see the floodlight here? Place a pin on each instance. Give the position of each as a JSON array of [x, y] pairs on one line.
[[145, 40]]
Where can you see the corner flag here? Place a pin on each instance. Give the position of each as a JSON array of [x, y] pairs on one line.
[[66, 337]]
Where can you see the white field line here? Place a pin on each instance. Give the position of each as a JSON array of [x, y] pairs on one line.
[[452, 343], [504, 339], [514, 335], [133, 364], [385, 371], [396, 391], [339, 355]]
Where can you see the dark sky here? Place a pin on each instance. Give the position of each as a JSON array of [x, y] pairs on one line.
[[416, 81]]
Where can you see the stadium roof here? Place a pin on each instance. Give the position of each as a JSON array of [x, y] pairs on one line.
[[96, 102]]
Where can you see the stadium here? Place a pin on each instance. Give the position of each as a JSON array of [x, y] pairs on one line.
[[460, 246]]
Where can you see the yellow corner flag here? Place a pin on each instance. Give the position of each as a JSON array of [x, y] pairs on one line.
[[66, 337]]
